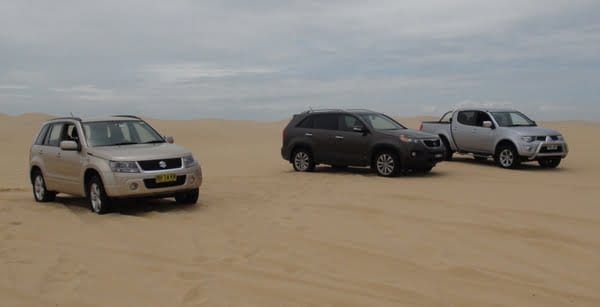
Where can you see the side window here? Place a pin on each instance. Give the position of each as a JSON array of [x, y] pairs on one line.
[[326, 122], [482, 117], [54, 136], [70, 133], [42, 135], [468, 118], [307, 123], [348, 122]]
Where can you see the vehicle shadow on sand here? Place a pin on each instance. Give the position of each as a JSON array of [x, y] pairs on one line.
[[136, 207], [367, 172], [525, 166]]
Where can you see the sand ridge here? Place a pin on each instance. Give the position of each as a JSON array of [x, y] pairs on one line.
[[468, 234]]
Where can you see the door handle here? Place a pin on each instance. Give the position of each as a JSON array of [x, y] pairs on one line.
[[308, 134], [339, 137]]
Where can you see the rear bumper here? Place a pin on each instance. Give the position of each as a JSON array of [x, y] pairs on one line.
[[534, 151], [122, 185]]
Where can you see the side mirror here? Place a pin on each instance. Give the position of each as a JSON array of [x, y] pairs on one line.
[[488, 124], [359, 129], [69, 146], [169, 139]]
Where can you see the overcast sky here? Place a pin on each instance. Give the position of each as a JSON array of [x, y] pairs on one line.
[[267, 59]]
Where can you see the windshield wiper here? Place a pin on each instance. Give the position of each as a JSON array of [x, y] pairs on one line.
[[154, 142], [123, 143]]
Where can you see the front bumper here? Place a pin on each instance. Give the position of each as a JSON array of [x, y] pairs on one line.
[[421, 157], [538, 150], [124, 185]]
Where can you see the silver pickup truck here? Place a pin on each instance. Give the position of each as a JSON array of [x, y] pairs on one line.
[[509, 136]]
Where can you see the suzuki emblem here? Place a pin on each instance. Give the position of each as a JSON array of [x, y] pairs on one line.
[[162, 164]]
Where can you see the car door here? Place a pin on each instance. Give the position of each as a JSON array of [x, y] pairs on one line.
[[351, 146], [463, 129], [483, 137], [70, 162], [50, 155], [323, 136]]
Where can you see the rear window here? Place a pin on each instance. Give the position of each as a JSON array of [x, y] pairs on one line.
[[42, 135], [307, 123], [54, 135], [326, 122]]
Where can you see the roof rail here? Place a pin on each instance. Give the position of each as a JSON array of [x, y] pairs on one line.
[[127, 116], [68, 117], [335, 110]]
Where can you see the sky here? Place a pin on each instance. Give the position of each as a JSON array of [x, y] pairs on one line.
[[268, 59]]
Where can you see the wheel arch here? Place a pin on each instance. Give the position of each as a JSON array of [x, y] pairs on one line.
[[34, 168], [299, 145], [383, 147], [87, 176], [502, 142]]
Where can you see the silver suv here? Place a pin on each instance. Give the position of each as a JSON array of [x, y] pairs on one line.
[[110, 158]]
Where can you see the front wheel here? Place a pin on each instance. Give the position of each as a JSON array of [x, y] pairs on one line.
[[40, 193], [99, 201], [508, 157], [188, 197], [303, 160], [549, 163], [387, 164]]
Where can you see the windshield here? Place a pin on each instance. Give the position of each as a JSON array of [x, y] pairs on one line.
[[381, 122], [114, 133], [512, 119]]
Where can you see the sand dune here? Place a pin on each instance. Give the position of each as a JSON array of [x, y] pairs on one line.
[[469, 234]]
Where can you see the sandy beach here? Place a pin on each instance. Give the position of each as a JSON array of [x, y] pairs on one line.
[[468, 234]]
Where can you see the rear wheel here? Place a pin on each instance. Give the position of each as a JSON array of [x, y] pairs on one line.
[[303, 160], [387, 164], [549, 162], [99, 201], [508, 157], [188, 197], [40, 193]]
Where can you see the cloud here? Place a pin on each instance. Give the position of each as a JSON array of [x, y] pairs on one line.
[[238, 58]]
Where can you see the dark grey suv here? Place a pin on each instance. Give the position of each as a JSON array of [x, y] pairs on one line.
[[343, 138]]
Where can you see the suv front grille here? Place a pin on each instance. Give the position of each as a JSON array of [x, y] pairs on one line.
[[155, 165], [151, 183], [432, 143]]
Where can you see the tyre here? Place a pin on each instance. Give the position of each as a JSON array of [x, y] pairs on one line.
[[40, 193], [550, 162], [507, 156], [187, 197], [449, 153], [99, 201], [303, 160], [387, 164]]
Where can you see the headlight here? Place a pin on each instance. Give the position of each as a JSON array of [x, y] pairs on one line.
[[124, 167], [189, 161], [406, 139], [560, 138], [528, 139]]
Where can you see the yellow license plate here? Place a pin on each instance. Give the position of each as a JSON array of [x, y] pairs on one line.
[[166, 178]]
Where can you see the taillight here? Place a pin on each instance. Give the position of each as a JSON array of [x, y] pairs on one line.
[[421, 127]]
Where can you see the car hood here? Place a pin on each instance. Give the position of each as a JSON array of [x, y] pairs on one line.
[[410, 133], [139, 152], [534, 131]]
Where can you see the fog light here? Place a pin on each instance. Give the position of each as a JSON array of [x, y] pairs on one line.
[[192, 179], [133, 186], [414, 154]]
